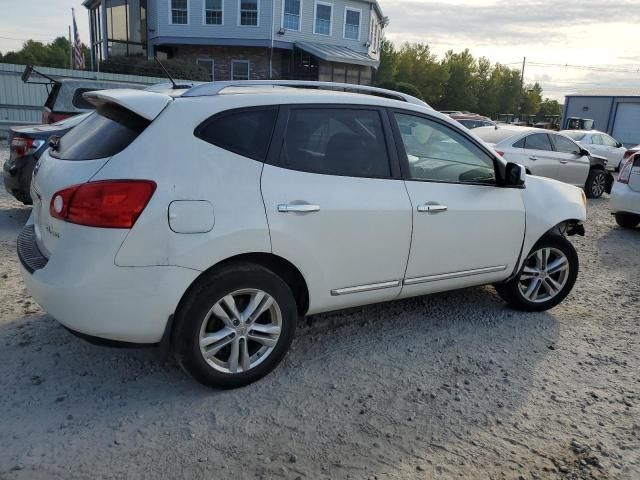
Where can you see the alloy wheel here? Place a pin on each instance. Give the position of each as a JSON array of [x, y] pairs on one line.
[[599, 184], [544, 275], [240, 331]]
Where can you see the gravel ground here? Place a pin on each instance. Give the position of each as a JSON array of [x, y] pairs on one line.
[[453, 385]]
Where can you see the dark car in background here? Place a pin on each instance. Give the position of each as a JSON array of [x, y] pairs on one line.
[[26, 144]]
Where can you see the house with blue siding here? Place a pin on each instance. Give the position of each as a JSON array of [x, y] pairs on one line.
[[325, 40]]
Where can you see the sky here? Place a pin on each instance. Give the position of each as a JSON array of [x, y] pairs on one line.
[[588, 33]]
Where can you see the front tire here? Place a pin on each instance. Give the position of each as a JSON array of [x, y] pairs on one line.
[[627, 220], [546, 277], [596, 183], [235, 325]]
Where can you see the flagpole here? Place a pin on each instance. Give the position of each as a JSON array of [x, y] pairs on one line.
[[70, 49]]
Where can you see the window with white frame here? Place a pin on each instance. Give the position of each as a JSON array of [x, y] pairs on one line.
[[249, 12], [208, 65], [240, 70], [213, 12], [291, 15], [352, 23], [322, 18], [179, 12]]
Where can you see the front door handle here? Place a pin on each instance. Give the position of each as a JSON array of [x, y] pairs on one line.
[[432, 208], [298, 208], [533, 159], [564, 162]]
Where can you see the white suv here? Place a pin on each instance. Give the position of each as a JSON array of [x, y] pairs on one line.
[[210, 218]]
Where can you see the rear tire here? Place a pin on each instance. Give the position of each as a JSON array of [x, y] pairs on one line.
[[546, 277], [596, 183], [234, 326], [627, 220]]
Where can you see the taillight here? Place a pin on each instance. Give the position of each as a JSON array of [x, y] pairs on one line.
[[21, 146], [499, 152], [104, 204], [625, 171]]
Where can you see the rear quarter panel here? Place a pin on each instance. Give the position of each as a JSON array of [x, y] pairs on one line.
[[187, 168]]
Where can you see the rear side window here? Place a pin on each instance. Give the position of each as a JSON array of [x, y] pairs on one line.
[[78, 100], [101, 135], [336, 141], [538, 141], [520, 143], [245, 132]]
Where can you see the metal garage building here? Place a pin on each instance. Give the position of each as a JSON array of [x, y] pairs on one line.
[[615, 110]]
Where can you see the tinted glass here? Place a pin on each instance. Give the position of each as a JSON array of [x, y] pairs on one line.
[[438, 153], [336, 142], [78, 100], [538, 141], [596, 139], [245, 132], [520, 143], [564, 145], [100, 135]]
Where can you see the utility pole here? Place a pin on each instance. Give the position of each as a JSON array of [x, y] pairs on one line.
[[524, 63]]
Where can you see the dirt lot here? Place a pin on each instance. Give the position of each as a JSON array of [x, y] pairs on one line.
[[454, 385]]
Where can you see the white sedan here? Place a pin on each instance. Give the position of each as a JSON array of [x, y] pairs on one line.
[[599, 143], [625, 196]]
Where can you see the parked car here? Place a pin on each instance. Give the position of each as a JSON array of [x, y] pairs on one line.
[[550, 154], [472, 121], [210, 218], [625, 197], [65, 97], [599, 143], [26, 144]]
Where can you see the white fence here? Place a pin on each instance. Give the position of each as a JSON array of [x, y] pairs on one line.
[[21, 104]]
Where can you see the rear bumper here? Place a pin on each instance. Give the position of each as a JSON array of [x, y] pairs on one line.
[[624, 199], [86, 292]]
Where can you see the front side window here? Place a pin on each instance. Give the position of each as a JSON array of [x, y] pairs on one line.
[[213, 12], [291, 20], [322, 23], [538, 141], [440, 154], [244, 132], [608, 141], [336, 141], [565, 145], [240, 70], [179, 12], [352, 24], [249, 13]]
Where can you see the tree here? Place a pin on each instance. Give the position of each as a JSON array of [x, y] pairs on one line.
[[388, 58], [54, 54], [459, 89], [531, 99], [549, 107]]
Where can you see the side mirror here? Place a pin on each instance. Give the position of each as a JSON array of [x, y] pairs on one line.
[[619, 144], [584, 152], [515, 175]]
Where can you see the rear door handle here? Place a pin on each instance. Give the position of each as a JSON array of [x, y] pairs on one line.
[[533, 158], [298, 208], [432, 209]]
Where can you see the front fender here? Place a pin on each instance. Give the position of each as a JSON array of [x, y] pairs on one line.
[[549, 203]]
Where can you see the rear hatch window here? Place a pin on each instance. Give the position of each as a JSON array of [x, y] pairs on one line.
[[103, 134]]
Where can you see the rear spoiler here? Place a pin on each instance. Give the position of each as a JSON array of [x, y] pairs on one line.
[[147, 105], [26, 76]]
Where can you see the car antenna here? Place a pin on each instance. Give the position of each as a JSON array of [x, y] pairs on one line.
[[173, 82]]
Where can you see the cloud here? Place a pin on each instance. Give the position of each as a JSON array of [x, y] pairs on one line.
[[500, 22]]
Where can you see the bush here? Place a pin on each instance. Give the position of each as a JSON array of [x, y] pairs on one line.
[[409, 89], [178, 69]]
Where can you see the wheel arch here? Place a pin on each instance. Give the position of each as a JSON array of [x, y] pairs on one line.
[[278, 265]]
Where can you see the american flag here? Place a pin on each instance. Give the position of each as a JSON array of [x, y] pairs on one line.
[[78, 58]]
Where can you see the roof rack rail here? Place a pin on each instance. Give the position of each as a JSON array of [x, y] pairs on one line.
[[214, 88]]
